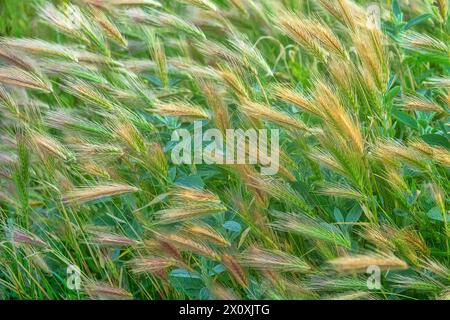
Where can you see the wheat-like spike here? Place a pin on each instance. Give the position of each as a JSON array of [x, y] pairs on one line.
[[87, 92], [326, 37], [414, 102], [310, 228], [163, 19], [151, 264], [96, 151], [193, 69], [130, 135], [335, 116], [250, 53], [360, 263], [111, 240], [67, 121], [48, 145], [222, 293], [159, 55], [203, 4], [381, 236], [279, 190], [235, 269], [181, 194], [187, 212], [107, 4], [435, 267], [439, 154], [138, 65], [240, 5], [18, 77], [90, 58], [187, 244], [216, 103], [259, 111], [103, 291], [180, 109], [21, 236], [109, 28], [417, 283], [354, 295], [438, 82], [273, 260], [297, 29], [443, 9], [61, 21], [341, 191], [288, 94], [85, 194], [213, 49], [37, 260], [233, 76], [6, 99], [20, 60], [206, 232], [39, 47], [394, 151], [347, 13], [423, 43]]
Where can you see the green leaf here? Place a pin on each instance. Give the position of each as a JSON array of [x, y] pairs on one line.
[[191, 182], [219, 268], [338, 215], [354, 214], [436, 214], [232, 226], [419, 19], [397, 11], [444, 129], [391, 94], [404, 118], [183, 273], [436, 140]]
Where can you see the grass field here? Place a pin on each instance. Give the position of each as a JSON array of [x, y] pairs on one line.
[[92, 205]]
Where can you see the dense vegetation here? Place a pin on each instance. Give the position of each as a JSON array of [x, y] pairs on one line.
[[91, 91]]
